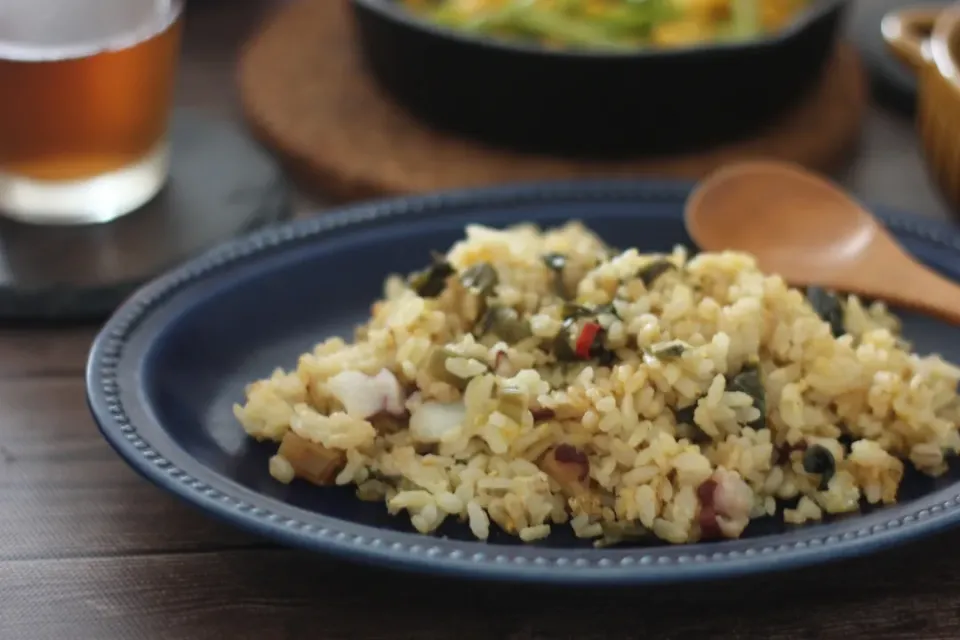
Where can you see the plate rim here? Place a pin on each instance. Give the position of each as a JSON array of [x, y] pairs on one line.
[[475, 559]]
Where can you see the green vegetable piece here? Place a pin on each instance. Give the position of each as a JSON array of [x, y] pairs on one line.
[[371, 492], [650, 273], [504, 323], [600, 353], [745, 19], [561, 346], [545, 24], [619, 532], [573, 311], [828, 306], [481, 278], [622, 25], [431, 282], [452, 14], [608, 308], [684, 416], [634, 20], [750, 382], [484, 324], [563, 343], [818, 459], [437, 367], [669, 350], [557, 262], [512, 403]]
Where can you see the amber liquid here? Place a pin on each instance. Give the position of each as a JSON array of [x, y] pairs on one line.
[[88, 84]]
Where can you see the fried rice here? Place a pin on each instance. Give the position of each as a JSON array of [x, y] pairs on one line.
[[529, 379]]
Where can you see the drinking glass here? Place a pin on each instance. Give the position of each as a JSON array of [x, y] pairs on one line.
[[88, 90]]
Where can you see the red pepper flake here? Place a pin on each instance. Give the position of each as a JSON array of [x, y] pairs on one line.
[[586, 339], [498, 358]]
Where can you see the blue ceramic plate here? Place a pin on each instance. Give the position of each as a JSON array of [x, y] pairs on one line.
[[166, 369]]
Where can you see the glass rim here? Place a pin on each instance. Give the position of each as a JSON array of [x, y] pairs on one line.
[[170, 13]]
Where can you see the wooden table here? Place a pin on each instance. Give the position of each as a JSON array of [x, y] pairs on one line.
[[90, 551]]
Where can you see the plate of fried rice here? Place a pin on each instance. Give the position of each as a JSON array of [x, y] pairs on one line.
[[539, 382]]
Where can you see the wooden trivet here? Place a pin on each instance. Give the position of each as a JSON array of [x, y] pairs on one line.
[[306, 94]]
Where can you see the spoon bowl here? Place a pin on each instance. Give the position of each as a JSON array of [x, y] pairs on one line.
[[810, 232]]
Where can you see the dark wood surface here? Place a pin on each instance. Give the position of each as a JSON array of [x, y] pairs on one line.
[[89, 551]]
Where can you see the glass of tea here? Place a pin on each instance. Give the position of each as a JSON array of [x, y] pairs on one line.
[[88, 88]]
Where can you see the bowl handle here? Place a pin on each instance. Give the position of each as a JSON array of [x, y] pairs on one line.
[[907, 32]]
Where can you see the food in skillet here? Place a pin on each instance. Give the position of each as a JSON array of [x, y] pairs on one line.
[[613, 24], [530, 379]]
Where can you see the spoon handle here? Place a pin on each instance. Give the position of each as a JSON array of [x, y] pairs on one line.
[[914, 286]]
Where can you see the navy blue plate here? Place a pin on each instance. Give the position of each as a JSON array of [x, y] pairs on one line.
[[166, 369]]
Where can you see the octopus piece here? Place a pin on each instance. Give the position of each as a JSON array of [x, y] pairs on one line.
[[432, 422], [364, 396]]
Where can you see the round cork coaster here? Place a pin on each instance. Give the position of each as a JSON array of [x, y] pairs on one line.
[[306, 94]]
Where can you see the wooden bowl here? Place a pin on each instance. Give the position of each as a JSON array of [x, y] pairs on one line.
[[927, 40]]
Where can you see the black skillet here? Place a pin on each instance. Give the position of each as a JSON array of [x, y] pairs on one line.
[[589, 102]]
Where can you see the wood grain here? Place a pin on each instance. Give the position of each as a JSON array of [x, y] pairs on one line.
[[283, 594], [44, 351], [79, 498], [90, 551]]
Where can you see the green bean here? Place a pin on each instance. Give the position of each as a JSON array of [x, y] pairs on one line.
[[636, 18], [554, 25], [523, 17], [618, 26], [450, 15], [745, 19]]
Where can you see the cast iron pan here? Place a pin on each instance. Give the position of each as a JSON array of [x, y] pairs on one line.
[[586, 102]]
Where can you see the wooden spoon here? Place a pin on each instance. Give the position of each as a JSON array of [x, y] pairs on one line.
[[811, 233]]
